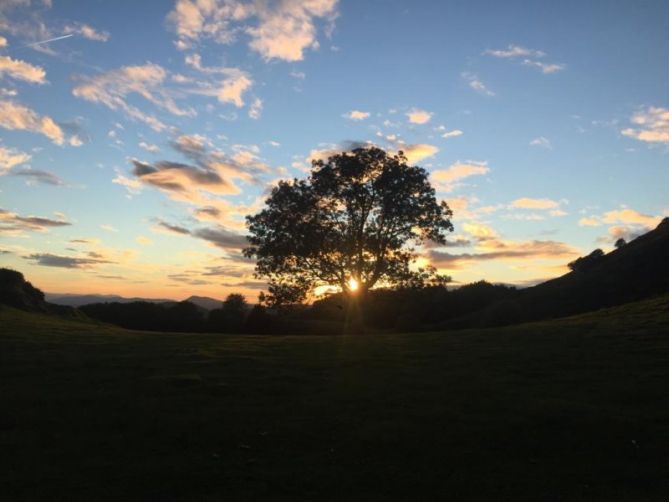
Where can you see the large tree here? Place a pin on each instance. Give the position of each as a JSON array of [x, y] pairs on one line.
[[353, 223]]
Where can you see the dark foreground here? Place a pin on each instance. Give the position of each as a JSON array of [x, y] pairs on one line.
[[575, 409]]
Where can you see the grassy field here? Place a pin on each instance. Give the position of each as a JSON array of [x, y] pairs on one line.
[[575, 410]]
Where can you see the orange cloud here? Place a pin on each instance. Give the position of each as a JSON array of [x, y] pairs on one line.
[[445, 180], [652, 125], [20, 70], [529, 203], [14, 116]]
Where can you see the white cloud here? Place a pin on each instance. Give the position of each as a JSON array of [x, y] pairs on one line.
[[452, 134], [112, 88], [277, 30], [417, 116], [513, 51], [20, 70], [541, 142], [475, 83], [75, 141], [356, 115], [256, 109], [652, 125], [545, 67], [88, 32], [230, 89], [149, 147], [530, 57]]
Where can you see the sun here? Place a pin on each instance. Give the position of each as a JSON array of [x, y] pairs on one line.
[[352, 284]]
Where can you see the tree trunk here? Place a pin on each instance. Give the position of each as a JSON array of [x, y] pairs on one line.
[[354, 323]]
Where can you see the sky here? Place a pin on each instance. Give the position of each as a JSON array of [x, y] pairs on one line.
[[136, 136]]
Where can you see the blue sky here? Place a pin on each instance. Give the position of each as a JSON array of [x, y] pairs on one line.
[[133, 146]]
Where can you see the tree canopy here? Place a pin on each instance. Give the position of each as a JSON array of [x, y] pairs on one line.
[[353, 223]]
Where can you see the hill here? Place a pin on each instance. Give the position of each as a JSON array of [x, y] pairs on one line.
[[205, 302], [637, 270], [572, 409], [74, 300]]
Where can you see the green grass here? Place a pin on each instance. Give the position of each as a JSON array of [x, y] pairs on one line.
[[574, 409]]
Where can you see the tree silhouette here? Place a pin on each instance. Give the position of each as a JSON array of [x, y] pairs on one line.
[[586, 262], [620, 243], [230, 317], [353, 223]]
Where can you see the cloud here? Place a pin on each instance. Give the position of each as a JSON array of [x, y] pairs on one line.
[[256, 109], [507, 250], [134, 186], [529, 203], [52, 260], [625, 223], [356, 115], [589, 222], [475, 83], [530, 58], [210, 172], [177, 177], [149, 147], [480, 231], [108, 228], [143, 241], [452, 134], [652, 125], [14, 223], [9, 157], [513, 51], [230, 89], [37, 176], [112, 88], [246, 284], [87, 32], [417, 116], [173, 229], [416, 153], [14, 116], [546, 68], [541, 142], [221, 237], [446, 180], [624, 216], [207, 213], [20, 70], [276, 30], [217, 235]]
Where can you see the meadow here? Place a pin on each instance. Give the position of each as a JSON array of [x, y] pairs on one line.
[[570, 409]]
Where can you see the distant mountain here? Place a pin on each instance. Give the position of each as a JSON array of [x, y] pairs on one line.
[[73, 300], [205, 302], [635, 271]]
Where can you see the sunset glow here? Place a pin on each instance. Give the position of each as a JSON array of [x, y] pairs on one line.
[[137, 136]]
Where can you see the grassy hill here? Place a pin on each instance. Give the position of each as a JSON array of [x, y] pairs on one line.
[[635, 271], [573, 409]]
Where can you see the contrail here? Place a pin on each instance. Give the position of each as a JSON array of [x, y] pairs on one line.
[[50, 40]]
